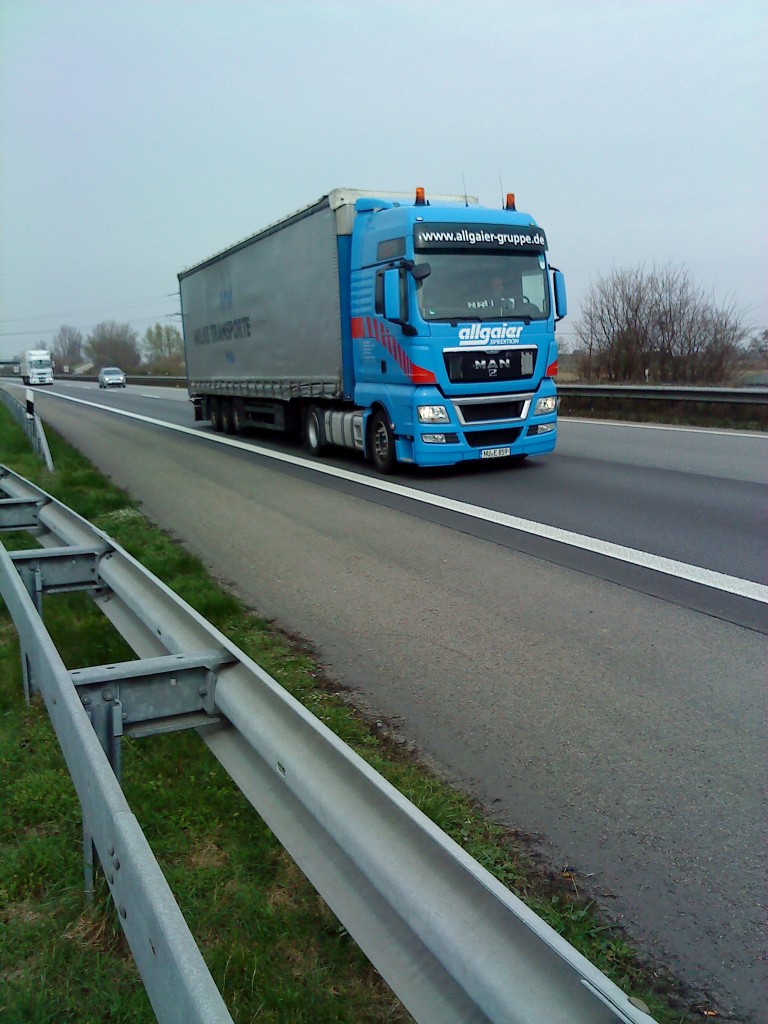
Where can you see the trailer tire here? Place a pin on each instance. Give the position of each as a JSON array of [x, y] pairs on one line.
[[214, 409], [381, 443], [238, 416], [314, 432], [227, 416]]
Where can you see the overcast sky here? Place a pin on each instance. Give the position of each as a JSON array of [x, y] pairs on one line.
[[142, 136]]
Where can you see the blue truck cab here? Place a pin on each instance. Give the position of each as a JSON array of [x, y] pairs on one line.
[[453, 332]]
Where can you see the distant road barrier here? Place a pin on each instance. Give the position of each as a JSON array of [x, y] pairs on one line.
[[25, 415], [668, 393], [667, 403], [453, 943]]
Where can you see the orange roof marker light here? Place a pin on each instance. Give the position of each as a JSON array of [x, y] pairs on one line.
[[510, 201], [420, 200]]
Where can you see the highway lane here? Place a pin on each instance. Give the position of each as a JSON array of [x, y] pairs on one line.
[[627, 730], [691, 495]]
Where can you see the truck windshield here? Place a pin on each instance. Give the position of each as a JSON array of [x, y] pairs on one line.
[[480, 286], [40, 363]]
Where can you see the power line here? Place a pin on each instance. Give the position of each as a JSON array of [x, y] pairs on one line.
[[88, 327], [88, 312]]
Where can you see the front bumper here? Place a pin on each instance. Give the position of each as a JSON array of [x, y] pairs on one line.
[[479, 430]]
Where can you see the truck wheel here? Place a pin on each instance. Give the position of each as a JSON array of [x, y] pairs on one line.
[[314, 432], [215, 413], [227, 416], [382, 443], [238, 418]]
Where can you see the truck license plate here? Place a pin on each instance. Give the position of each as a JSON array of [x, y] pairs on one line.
[[494, 453]]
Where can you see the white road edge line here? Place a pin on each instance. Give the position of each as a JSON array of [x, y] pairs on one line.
[[711, 431], [658, 563]]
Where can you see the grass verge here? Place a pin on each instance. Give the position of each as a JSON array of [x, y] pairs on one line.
[[275, 950]]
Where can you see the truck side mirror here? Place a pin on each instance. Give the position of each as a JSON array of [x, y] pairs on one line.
[[420, 270], [561, 302], [392, 295]]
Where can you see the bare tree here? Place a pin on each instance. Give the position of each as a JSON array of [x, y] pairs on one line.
[[756, 358], [164, 349], [658, 326], [112, 344], [67, 347]]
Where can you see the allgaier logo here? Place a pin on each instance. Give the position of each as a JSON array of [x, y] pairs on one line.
[[499, 334]]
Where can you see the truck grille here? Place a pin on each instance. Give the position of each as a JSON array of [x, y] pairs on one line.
[[492, 438], [468, 366], [489, 411]]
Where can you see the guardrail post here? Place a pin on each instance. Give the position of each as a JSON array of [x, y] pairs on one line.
[[32, 580], [106, 718], [89, 850]]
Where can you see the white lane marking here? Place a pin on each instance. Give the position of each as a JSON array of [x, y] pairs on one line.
[[633, 556], [710, 431]]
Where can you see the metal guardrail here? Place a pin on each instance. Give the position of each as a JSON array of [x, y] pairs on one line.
[[453, 943], [668, 393], [30, 423]]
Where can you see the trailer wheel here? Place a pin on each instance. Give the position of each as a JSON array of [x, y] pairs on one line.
[[227, 416], [314, 432], [238, 417], [214, 405], [381, 443]]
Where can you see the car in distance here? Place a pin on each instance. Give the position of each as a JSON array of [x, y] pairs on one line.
[[111, 377]]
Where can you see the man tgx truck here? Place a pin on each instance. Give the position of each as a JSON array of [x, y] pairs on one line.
[[415, 329], [35, 366]]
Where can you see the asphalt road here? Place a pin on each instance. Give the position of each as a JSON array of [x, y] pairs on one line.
[[613, 711]]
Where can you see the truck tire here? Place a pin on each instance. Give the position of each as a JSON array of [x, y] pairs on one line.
[[227, 416], [313, 434], [214, 407], [238, 417], [381, 443]]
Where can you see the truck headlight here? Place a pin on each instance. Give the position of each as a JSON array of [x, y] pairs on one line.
[[545, 405], [432, 414]]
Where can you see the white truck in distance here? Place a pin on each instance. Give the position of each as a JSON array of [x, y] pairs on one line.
[[35, 366]]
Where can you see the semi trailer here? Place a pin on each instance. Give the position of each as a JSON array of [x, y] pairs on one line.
[[415, 329]]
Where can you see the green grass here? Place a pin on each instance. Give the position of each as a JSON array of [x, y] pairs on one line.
[[275, 950]]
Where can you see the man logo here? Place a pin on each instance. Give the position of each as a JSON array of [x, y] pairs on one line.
[[493, 365], [502, 366]]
